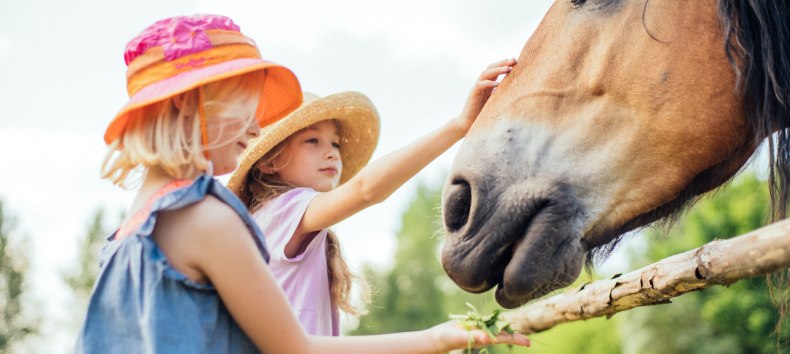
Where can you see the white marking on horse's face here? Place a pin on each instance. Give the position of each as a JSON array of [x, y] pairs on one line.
[[535, 155]]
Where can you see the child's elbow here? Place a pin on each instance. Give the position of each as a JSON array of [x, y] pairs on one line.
[[368, 193]]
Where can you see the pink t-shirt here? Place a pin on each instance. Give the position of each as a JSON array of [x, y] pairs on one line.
[[304, 278]]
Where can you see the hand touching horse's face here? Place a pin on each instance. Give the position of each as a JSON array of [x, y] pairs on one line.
[[617, 112]]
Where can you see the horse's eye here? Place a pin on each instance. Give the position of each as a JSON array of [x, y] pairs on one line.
[[578, 3]]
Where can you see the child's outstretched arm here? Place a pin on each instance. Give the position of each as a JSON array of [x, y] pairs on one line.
[[379, 179], [219, 247]]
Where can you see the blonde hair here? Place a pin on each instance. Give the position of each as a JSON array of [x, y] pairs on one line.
[[167, 135], [260, 187]]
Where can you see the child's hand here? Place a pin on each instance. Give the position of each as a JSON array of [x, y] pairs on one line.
[[452, 335], [481, 91]]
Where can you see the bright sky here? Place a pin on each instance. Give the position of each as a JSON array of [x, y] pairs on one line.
[[62, 79]]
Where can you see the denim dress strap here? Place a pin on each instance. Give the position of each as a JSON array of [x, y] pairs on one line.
[[141, 304]]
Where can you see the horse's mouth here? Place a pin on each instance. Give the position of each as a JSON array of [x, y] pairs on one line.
[[525, 249], [533, 271]]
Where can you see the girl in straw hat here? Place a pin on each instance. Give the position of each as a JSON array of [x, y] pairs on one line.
[[304, 174], [187, 272]]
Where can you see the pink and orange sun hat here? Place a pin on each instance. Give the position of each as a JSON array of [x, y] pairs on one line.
[[178, 54]]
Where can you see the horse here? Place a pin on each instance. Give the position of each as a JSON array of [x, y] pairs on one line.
[[619, 114]]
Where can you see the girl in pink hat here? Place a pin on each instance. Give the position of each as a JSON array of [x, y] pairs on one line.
[[305, 174], [187, 272]]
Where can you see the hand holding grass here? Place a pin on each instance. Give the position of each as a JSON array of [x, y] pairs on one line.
[[481, 330]]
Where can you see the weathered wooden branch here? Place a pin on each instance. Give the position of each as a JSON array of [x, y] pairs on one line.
[[721, 262]]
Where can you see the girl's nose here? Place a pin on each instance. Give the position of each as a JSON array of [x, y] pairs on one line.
[[253, 130], [333, 154]]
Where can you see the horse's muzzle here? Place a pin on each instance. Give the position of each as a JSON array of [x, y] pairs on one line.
[[523, 237]]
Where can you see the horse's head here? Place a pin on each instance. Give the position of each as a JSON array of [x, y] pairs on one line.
[[617, 113]]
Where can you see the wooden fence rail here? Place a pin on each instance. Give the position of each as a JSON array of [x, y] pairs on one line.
[[721, 262]]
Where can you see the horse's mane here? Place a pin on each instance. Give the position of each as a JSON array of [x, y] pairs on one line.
[[757, 43]]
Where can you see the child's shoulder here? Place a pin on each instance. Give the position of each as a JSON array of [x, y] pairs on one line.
[[201, 235], [294, 196], [207, 216], [300, 191], [213, 211]]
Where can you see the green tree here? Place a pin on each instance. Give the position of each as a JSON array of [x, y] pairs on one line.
[[14, 325], [81, 278], [735, 319], [408, 298]]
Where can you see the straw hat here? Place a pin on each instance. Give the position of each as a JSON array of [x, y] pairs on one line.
[[178, 54], [358, 123]]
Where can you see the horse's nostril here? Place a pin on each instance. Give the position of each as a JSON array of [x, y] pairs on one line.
[[457, 205]]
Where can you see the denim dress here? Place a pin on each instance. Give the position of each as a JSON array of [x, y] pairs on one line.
[[141, 304]]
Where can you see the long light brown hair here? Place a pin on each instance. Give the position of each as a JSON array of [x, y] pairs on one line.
[[259, 188]]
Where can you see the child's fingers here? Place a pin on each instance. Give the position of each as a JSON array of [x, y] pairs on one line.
[[482, 339], [493, 73], [515, 339], [503, 62], [486, 84]]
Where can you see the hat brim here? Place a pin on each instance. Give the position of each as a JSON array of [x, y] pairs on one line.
[[358, 123], [281, 92]]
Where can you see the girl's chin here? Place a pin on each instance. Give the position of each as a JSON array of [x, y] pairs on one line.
[[220, 168], [325, 187]]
